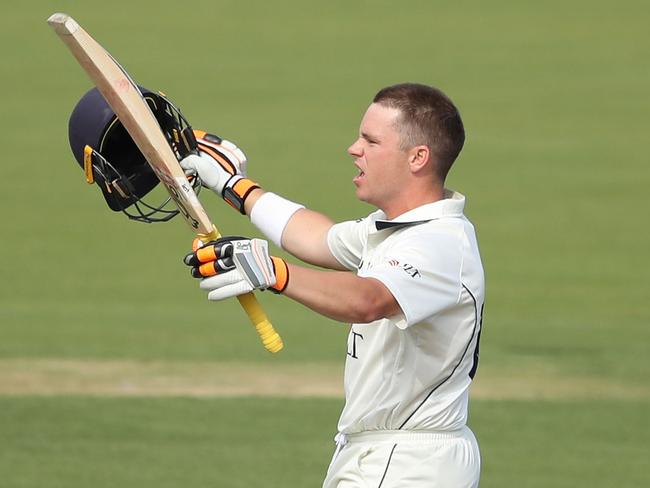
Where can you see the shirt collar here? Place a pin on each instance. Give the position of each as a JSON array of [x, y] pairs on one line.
[[451, 205]]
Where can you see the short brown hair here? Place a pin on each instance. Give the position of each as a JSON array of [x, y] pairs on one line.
[[428, 117]]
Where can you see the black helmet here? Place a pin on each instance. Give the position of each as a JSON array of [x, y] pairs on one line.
[[104, 149]]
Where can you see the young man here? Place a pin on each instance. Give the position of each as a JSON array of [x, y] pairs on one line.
[[408, 277]]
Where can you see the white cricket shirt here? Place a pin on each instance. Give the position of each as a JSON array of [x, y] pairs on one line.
[[413, 371]]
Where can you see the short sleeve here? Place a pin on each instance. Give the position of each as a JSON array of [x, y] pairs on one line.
[[423, 273], [346, 241]]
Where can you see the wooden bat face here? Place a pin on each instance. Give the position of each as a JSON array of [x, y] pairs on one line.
[[125, 99]]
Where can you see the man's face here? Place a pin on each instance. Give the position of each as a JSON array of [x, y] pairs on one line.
[[382, 165]]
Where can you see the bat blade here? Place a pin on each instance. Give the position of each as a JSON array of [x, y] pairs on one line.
[[124, 97], [62, 23]]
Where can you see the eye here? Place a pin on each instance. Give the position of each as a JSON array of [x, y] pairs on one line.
[[369, 139]]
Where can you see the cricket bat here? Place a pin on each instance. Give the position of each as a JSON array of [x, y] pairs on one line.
[[124, 97]]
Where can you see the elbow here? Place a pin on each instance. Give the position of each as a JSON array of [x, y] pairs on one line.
[[363, 316], [368, 309], [374, 302]]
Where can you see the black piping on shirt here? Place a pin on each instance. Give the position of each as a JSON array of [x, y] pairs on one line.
[[457, 364]]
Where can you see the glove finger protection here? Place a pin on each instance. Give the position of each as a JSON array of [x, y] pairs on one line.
[[211, 258], [227, 285], [235, 265]]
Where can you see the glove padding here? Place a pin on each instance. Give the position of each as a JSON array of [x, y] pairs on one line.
[[221, 166], [232, 266]]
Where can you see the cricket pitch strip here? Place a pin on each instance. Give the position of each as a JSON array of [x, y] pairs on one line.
[[81, 377]]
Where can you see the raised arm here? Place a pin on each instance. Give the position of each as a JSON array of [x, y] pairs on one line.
[[221, 165], [232, 266], [304, 235]]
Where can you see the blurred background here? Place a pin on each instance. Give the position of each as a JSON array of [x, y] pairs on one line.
[[115, 369]]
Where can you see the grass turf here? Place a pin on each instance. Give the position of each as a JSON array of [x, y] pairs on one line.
[[554, 98], [76, 441], [554, 107]]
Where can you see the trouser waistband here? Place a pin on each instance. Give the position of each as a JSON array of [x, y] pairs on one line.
[[398, 436], [395, 436]]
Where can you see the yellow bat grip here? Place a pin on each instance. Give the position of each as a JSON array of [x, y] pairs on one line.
[[270, 338]]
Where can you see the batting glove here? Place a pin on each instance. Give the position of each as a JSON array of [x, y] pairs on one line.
[[232, 266], [221, 165]]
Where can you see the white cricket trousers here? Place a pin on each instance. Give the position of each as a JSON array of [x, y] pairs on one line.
[[405, 459]]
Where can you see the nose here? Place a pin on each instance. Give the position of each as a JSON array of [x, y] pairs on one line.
[[355, 149]]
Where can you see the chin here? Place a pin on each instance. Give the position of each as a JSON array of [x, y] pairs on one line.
[[364, 198]]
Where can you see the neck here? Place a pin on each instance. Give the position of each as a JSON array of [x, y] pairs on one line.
[[413, 199]]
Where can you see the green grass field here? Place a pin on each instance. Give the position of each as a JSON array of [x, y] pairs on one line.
[[114, 369]]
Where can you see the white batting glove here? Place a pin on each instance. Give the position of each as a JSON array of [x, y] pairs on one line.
[[221, 166], [212, 175], [232, 266]]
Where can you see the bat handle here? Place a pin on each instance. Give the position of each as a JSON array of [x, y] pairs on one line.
[[270, 338]]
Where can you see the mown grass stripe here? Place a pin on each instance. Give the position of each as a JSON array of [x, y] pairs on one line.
[[51, 377]]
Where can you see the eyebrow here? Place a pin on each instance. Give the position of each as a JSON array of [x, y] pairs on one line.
[[369, 137]]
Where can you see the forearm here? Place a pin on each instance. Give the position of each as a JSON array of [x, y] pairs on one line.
[[305, 237], [221, 166], [252, 200], [305, 234], [341, 295], [231, 266]]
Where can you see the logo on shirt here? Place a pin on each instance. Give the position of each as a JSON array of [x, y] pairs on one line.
[[352, 344], [411, 270]]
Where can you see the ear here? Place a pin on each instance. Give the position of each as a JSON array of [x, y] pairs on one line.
[[419, 157]]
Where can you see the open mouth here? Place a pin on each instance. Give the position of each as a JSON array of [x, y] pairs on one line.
[[359, 176]]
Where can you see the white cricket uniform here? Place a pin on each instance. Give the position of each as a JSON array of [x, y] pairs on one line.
[[407, 377]]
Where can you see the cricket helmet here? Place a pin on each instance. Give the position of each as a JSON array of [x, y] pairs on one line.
[[109, 157]]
